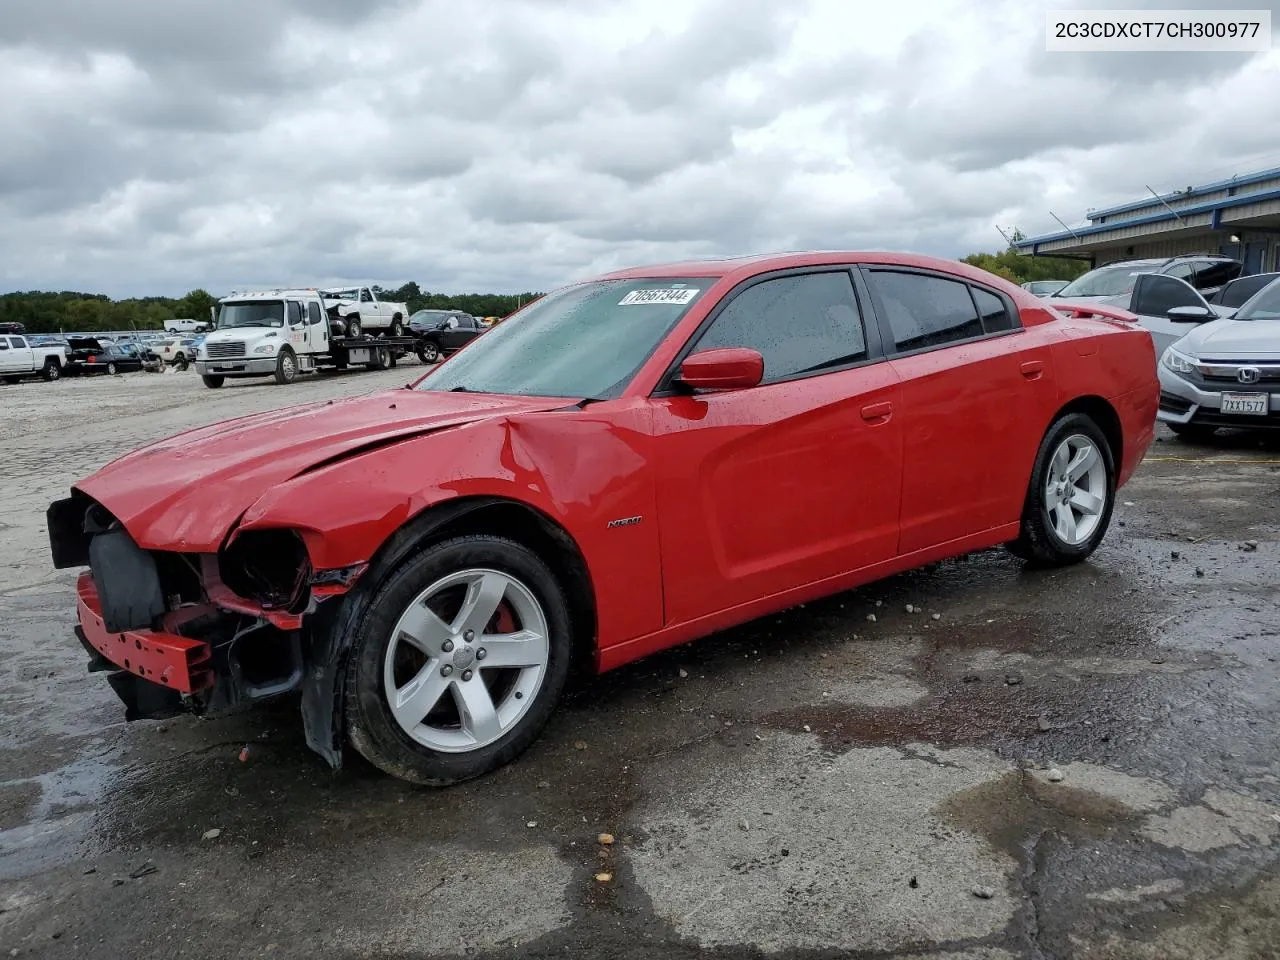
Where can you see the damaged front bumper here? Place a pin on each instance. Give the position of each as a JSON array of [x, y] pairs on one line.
[[175, 637]]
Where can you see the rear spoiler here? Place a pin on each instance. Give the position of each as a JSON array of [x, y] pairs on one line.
[[1083, 310]]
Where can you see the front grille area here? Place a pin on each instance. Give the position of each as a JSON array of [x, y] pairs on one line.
[[1171, 404], [224, 349]]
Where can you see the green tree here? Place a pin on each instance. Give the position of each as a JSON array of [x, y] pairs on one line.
[[1020, 268]]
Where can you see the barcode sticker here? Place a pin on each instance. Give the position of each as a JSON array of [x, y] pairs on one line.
[[658, 295]]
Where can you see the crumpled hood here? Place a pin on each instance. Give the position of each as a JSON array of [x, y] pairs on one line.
[[185, 493], [1233, 340]]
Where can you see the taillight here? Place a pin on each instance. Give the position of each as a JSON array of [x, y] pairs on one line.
[[92, 358]]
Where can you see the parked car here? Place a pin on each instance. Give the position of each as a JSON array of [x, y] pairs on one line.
[[178, 351], [97, 355], [185, 326], [1044, 288], [1164, 305], [1203, 272], [1233, 296], [20, 358], [1225, 373], [441, 332], [12, 327], [627, 464]]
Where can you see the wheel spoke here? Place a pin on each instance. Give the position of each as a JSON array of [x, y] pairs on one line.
[[423, 629], [526, 648], [475, 707], [1064, 521], [1086, 502], [483, 596], [412, 702], [1058, 466], [1082, 462]]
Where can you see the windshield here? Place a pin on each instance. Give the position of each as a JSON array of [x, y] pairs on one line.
[[1104, 282], [259, 313], [428, 317], [583, 341], [1265, 305]]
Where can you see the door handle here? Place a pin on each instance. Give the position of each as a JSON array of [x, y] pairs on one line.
[[1032, 369], [877, 412]]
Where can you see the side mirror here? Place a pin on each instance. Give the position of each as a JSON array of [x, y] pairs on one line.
[[1191, 314], [726, 368]]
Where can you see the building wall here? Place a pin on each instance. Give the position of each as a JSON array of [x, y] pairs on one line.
[[1178, 203], [1213, 243]]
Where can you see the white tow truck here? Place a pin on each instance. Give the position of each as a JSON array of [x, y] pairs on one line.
[[19, 359], [284, 333], [354, 310]]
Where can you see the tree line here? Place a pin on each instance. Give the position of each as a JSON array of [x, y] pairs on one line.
[[71, 312]]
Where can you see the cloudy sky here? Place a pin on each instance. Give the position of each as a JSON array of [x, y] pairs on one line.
[[153, 146]]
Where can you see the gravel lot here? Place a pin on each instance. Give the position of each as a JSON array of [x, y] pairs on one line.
[[1079, 763]]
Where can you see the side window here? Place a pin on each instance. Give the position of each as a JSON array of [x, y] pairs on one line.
[[365, 295], [1210, 274], [993, 311], [799, 324], [1155, 294], [293, 312], [468, 323], [4, 343], [313, 312], [1183, 271], [18, 341], [925, 311]]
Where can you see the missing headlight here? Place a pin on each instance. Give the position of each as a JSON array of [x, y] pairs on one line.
[[270, 567]]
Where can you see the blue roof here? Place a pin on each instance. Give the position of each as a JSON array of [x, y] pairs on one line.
[[1244, 181], [1211, 205]]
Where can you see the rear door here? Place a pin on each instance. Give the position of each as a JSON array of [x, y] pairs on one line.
[[977, 392], [790, 482]]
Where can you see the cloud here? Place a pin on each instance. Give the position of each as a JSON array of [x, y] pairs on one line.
[[152, 146]]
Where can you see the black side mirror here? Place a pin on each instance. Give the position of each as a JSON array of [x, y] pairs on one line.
[[1190, 314]]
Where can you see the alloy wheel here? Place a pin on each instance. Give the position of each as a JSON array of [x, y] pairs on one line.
[[1075, 492]]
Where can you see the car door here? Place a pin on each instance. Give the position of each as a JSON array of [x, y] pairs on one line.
[[790, 482], [977, 391], [370, 309], [8, 356], [1154, 295]]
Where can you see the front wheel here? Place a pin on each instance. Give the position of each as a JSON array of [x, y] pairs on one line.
[[428, 351], [213, 381], [353, 326], [1072, 492], [458, 662], [286, 367]]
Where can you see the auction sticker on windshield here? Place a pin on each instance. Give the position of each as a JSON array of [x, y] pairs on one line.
[[658, 295]]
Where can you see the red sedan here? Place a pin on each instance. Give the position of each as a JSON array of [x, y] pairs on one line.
[[624, 465]]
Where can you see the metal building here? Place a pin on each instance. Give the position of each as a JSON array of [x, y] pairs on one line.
[[1239, 217]]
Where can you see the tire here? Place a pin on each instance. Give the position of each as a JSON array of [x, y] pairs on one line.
[[396, 329], [1193, 432], [1046, 538], [353, 326], [286, 367], [111, 370], [213, 381], [380, 359], [52, 369], [445, 751], [428, 351]]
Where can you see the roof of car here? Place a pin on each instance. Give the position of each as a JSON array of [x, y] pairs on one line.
[[748, 266]]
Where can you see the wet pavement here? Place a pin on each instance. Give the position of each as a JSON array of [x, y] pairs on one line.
[[1039, 764]]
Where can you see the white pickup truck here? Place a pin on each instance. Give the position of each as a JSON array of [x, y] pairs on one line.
[[355, 310], [284, 333], [18, 359]]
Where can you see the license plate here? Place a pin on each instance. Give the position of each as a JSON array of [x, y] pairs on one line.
[[1250, 403]]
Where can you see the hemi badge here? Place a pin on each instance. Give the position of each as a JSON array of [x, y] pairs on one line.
[[625, 522]]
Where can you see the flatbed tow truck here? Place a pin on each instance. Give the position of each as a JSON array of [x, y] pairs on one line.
[[286, 333]]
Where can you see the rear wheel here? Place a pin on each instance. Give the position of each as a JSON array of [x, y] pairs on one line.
[[458, 662], [1193, 432], [52, 369], [111, 369], [1072, 492], [213, 381], [286, 367], [396, 329]]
